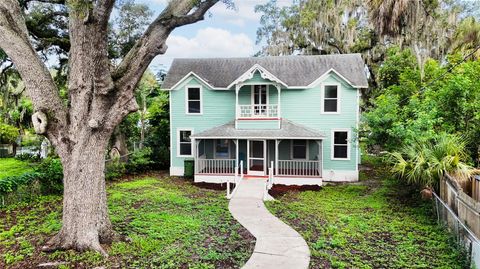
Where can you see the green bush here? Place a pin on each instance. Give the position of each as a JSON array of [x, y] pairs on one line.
[[8, 133], [30, 157], [139, 161], [50, 175], [11, 184], [114, 170]]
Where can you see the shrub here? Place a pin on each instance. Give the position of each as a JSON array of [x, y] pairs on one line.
[[139, 161], [8, 133], [30, 157], [11, 184], [114, 170], [50, 175]]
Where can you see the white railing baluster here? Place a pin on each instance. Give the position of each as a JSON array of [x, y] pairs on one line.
[[250, 111], [299, 168], [216, 166]]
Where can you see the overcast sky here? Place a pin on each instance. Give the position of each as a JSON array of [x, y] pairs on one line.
[[226, 33]]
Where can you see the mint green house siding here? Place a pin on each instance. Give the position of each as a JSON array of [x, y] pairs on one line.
[[290, 132], [303, 106], [218, 107]]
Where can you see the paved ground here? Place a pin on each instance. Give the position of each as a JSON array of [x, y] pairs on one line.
[[278, 246]]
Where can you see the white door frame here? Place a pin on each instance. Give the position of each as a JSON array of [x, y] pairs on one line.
[[256, 173]]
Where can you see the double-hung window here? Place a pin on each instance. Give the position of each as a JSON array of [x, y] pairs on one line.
[[331, 99], [340, 145], [184, 143], [194, 100], [299, 149]]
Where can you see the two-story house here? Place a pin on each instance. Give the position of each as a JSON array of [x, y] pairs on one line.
[[295, 114]]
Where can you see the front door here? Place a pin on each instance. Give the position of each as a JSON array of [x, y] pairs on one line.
[[256, 157]]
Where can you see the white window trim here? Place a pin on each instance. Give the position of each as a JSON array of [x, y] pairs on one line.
[[339, 99], [252, 94], [215, 149], [186, 99], [178, 142], [332, 144], [307, 153]]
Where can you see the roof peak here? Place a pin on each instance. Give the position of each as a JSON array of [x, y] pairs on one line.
[[293, 71], [268, 57]]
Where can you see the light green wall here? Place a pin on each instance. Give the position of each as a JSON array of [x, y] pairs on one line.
[[301, 106], [218, 109]]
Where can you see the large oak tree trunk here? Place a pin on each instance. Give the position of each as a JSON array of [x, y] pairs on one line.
[[100, 95], [85, 216]]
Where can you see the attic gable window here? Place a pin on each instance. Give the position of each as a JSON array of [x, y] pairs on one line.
[[194, 100], [331, 99]]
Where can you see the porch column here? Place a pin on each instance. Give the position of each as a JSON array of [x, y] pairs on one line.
[[195, 153], [320, 157], [236, 152], [237, 89], [278, 99], [277, 142]]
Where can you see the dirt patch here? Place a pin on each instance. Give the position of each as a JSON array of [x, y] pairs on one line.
[[280, 190], [212, 186]]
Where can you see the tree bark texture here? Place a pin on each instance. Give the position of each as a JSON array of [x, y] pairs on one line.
[[100, 96]]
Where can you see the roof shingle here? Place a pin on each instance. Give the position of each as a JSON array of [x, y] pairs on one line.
[[288, 130], [292, 70]]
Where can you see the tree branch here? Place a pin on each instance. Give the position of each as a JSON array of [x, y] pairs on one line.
[[152, 43], [40, 86], [103, 10]]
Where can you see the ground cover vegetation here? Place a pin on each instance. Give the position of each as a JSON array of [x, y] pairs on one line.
[[377, 223], [169, 223]]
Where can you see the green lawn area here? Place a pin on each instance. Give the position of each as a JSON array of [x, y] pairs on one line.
[[171, 224], [13, 167], [378, 223]]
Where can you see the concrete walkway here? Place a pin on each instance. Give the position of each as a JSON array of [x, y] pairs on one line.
[[278, 245]]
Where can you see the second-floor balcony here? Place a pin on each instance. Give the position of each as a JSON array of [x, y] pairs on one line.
[[258, 111]]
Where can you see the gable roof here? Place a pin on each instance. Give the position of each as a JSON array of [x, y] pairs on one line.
[[294, 71], [288, 130]]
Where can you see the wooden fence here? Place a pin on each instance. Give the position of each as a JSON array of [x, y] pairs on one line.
[[465, 207]]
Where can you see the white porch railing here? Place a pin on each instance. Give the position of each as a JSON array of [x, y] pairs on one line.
[[237, 180], [215, 166], [269, 183], [299, 168], [258, 111]]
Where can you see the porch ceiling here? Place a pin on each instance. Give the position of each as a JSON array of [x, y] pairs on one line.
[[288, 130]]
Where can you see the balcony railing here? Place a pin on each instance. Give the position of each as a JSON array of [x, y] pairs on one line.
[[258, 111]]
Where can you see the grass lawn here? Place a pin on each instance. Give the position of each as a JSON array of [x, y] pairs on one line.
[[171, 224], [374, 224], [13, 167]]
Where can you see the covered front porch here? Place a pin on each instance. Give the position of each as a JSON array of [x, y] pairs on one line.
[[293, 160]]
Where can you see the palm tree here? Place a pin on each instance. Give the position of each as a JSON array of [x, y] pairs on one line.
[[425, 162]]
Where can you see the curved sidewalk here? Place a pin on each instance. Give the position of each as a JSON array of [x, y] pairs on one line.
[[278, 245]]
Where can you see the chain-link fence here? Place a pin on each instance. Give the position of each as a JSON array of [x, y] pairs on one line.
[[463, 236]]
